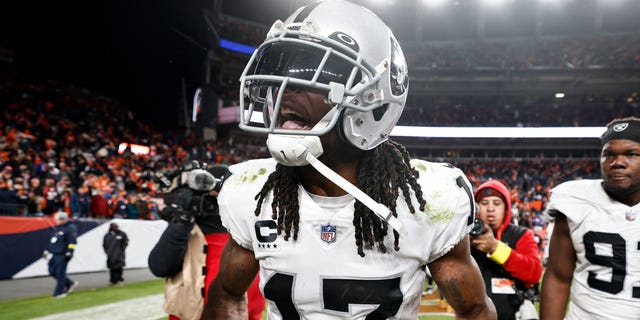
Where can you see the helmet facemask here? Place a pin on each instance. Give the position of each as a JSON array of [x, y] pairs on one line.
[[288, 63]]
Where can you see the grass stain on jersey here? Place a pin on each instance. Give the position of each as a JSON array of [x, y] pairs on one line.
[[251, 176], [438, 215]]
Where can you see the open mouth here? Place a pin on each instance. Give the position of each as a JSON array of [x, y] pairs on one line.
[[289, 119]]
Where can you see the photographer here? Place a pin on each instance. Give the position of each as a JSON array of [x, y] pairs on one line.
[[507, 254], [188, 252]]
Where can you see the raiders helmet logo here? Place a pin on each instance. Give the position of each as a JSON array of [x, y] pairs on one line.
[[345, 39], [399, 70], [619, 127]]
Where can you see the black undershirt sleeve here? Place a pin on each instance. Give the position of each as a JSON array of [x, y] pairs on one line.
[[165, 259]]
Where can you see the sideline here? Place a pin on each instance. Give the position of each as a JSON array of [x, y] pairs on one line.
[[12, 289], [145, 308]]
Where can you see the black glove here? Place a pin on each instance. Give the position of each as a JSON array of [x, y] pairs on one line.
[[68, 255], [179, 208]]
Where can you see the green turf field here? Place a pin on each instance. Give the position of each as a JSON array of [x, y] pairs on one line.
[[45, 305]]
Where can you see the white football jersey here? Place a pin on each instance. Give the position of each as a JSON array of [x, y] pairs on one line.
[[606, 237], [320, 275]]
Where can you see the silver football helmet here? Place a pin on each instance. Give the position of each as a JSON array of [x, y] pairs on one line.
[[333, 47]]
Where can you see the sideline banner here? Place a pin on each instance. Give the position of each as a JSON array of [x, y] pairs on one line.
[[23, 239]]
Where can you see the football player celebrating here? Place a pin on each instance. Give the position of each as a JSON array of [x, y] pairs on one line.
[[342, 225], [594, 251]]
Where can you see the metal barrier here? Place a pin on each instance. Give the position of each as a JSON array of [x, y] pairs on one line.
[[12, 209]]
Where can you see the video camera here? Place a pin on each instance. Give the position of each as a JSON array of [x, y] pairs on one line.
[[192, 175], [478, 228], [186, 190]]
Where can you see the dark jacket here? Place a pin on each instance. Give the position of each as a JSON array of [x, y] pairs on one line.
[[506, 304], [63, 240], [114, 243]]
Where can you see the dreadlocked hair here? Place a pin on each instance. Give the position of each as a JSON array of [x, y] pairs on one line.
[[384, 172]]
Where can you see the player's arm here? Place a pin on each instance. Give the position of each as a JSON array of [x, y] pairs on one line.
[[557, 278], [227, 298], [460, 283]]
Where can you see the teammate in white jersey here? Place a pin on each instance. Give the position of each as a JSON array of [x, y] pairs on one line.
[[342, 224], [594, 254]]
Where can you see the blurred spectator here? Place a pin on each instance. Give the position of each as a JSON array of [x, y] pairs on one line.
[[7, 173], [132, 210], [100, 205], [35, 188], [526, 221], [81, 203], [8, 200], [120, 209], [153, 208], [143, 207], [34, 207], [50, 194]]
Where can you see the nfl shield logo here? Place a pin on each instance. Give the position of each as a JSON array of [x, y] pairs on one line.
[[631, 215], [328, 233]]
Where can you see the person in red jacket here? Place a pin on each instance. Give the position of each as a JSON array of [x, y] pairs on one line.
[[99, 205], [507, 254]]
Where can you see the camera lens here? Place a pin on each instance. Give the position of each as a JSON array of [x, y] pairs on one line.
[[200, 180], [478, 227], [204, 182]]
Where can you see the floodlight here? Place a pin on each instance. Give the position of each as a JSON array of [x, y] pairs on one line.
[[434, 3], [493, 2]]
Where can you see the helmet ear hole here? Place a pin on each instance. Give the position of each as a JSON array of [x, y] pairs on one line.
[[379, 112], [340, 126]]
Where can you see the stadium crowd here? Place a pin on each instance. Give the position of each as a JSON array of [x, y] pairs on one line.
[[496, 111], [603, 51], [59, 152]]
